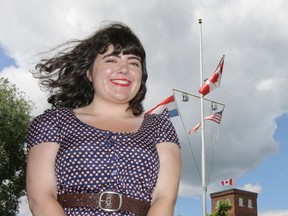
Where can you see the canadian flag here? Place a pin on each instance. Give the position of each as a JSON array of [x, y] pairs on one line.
[[227, 182], [213, 81]]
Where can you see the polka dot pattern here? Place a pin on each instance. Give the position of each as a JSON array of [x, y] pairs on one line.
[[91, 160]]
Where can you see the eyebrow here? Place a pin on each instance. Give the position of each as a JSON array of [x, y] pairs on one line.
[[134, 57], [117, 55], [111, 54]]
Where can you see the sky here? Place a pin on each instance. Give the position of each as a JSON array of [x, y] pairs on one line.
[[250, 144]]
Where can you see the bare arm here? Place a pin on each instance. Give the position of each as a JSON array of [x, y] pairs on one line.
[[41, 180], [165, 194]]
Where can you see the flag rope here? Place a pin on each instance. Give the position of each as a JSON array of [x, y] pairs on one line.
[[216, 142], [185, 132], [214, 151], [186, 135]]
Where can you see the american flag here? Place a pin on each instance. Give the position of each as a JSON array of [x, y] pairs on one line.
[[216, 117], [194, 129]]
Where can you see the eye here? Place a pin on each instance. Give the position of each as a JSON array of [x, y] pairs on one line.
[[110, 60], [135, 63]]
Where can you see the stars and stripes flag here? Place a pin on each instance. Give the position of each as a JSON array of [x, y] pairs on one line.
[[227, 182], [213, 81], [194, 129], [216, 117], [169, 103]]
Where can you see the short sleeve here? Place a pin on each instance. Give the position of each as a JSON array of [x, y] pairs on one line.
[[166, 129], [44, 128]]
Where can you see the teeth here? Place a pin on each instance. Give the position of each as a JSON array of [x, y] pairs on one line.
[[121, 81]]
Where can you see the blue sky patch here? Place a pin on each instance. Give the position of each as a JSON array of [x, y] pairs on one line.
[[5, 60]]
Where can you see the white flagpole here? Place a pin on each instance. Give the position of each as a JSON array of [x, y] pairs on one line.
[[204, 187]]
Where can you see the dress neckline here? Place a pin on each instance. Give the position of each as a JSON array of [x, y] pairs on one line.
[[109, 131]]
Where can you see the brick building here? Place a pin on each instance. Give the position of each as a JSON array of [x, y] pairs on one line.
[[244, 203]]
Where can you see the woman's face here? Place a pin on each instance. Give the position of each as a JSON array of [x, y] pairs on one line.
[[116, 78]]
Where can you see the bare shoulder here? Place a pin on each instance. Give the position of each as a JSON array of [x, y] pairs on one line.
[[168, 147], [169, 153], [43, 150]]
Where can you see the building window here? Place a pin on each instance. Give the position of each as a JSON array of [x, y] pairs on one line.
[[250, 203], [228, 201], [241, 201], [217, 204]]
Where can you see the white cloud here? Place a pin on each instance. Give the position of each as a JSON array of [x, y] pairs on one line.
[[283, 212], [185, 190], [24, 81], [23, 208], [266, 85], [253, 188]]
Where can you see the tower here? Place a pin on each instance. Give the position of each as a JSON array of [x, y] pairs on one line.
[[244, 203]]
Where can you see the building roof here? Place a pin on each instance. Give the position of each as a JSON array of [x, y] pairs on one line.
[[233, 191]]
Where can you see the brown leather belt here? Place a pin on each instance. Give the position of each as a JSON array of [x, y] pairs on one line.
[[108, 201]]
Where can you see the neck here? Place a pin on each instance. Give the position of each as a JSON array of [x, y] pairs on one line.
[[104, 108]]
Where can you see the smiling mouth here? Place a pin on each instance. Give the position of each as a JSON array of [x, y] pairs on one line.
[[120, 82]]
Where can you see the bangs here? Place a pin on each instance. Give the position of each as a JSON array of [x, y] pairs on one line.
[[128, 49], [124, 42]]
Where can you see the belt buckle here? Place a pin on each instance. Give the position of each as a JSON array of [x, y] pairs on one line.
[[108, 200]]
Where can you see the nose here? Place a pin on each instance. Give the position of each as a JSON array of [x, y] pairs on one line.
[[124, 67]]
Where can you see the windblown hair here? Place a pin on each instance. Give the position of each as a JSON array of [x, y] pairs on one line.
[[64, 75]]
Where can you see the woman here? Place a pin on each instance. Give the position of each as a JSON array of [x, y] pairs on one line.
[[95, 152]]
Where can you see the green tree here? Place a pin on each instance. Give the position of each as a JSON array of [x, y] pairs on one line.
[[14, 119], [223, 208]]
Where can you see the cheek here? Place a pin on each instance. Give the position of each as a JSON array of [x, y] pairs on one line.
[[138, 76], [139, 83], [99, 73]]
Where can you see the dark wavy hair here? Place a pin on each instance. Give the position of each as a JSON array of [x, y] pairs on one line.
[[64, 75]]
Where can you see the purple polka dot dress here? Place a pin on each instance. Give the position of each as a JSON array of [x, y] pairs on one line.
[[91, 160]]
